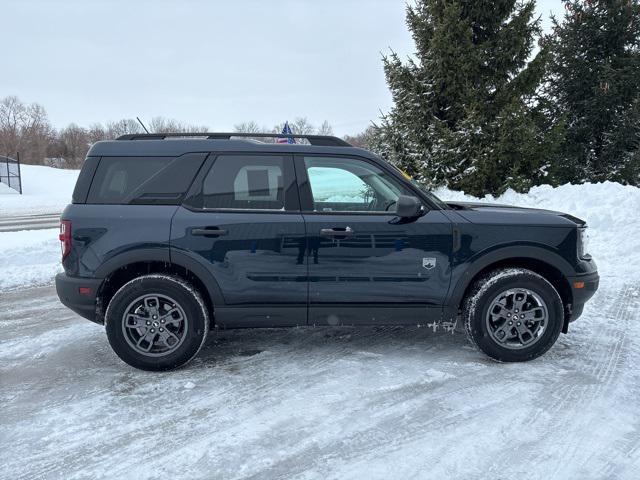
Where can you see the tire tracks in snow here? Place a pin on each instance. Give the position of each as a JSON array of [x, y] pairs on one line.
[[607, 350]]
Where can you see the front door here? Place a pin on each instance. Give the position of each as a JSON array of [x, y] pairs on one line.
[[243, 223], [366, 265]]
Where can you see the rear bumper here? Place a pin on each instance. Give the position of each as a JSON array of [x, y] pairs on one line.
[[583, 287], [84, 304]]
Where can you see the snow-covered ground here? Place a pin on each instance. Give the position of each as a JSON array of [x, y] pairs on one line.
[[325, 403], [30, 257], [372, 403], [44, 190]]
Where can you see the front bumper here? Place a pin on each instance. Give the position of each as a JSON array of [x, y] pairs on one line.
[[79, 294], [583, 287]]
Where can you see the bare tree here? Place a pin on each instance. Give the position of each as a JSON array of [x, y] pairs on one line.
[[325, 129], [169, 125], [248, 127], [75, 141], [24, 129], [125, 126], [95, 133], [368, 139], [253, 127], [302, 126]]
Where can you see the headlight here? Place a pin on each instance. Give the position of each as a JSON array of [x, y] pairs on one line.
[[583, 242]]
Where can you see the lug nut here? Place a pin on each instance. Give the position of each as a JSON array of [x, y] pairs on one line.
[[148, 322], [522, 316], [162, 321], [161, 329], [510, 323], [155, 316], [518, 324], [153, 331]]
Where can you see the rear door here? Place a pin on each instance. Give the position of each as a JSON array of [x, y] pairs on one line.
[[366, 265], [242, 221]]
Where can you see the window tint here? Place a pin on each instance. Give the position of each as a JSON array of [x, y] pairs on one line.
[[351, 185], [144, 180], [247, 182]]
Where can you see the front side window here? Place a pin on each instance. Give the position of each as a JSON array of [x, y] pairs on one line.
[[351, 185], [246, 182]]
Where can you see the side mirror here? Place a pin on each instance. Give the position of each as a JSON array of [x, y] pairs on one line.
[[408, 207]]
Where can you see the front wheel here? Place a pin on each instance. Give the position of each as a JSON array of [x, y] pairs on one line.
[[156, 322], [513, 315]]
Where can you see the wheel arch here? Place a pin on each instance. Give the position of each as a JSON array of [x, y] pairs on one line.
[[546, 264], [182, 267]]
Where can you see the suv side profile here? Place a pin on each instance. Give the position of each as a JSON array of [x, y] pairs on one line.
[[169, 235]]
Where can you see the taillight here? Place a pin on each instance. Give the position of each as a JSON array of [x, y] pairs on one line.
[[65, 237]]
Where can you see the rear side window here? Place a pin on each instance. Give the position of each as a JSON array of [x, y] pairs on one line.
[[144, 180], [248, 182]]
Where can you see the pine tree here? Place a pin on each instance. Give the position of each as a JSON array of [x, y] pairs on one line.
[[594, 83], [465, 113]]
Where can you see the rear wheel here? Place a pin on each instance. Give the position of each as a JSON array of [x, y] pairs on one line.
[[156, 322], [513, 315]]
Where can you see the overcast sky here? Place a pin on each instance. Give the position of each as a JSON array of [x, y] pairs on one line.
[[205, 62]]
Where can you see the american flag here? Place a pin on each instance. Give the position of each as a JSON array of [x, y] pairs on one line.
[[286, 130]]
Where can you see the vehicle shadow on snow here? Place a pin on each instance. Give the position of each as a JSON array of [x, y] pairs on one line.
[[222, 345]]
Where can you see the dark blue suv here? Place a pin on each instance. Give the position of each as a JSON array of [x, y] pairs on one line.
[[171, 235]]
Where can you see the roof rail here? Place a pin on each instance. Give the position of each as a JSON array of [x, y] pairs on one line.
[[323, 140]]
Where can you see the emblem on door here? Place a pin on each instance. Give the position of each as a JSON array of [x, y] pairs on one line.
[[428, 262]]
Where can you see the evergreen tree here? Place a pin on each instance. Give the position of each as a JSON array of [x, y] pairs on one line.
[[465, 112], [594, 84]]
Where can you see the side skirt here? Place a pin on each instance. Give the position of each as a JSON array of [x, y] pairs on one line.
[[371, 314], [272, 316]]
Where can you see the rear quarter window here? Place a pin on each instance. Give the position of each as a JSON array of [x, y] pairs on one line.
[[144, 180]]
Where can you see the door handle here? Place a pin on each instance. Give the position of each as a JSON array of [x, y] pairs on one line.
[[337, 232], [209, 232]]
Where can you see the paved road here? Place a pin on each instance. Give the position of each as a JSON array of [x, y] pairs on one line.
[[29, 222], [318, 403]]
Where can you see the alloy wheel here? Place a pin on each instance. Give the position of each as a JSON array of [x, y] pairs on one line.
[[154, 325], [517, 318]]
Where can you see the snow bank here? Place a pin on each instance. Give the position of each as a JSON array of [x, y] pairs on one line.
[[45, 190], [29, 257], [611, 211]]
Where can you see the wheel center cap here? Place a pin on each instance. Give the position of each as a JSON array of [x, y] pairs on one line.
[[155, 324]]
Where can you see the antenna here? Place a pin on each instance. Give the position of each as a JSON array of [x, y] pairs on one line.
[[140, 122]]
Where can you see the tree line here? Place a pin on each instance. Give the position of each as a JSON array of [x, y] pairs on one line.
[[488, 102], [25, 128]]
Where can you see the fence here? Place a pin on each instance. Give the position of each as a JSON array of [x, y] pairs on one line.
[[10, 172]]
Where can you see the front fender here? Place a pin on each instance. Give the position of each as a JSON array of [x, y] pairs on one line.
[[464, 273]]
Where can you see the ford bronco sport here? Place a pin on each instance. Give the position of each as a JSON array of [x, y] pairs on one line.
[[171, 235]]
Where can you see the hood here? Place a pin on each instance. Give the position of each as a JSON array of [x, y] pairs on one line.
[[494, 213]]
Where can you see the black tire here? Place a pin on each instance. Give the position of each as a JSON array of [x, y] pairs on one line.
[[481, 297], [191, 329]]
